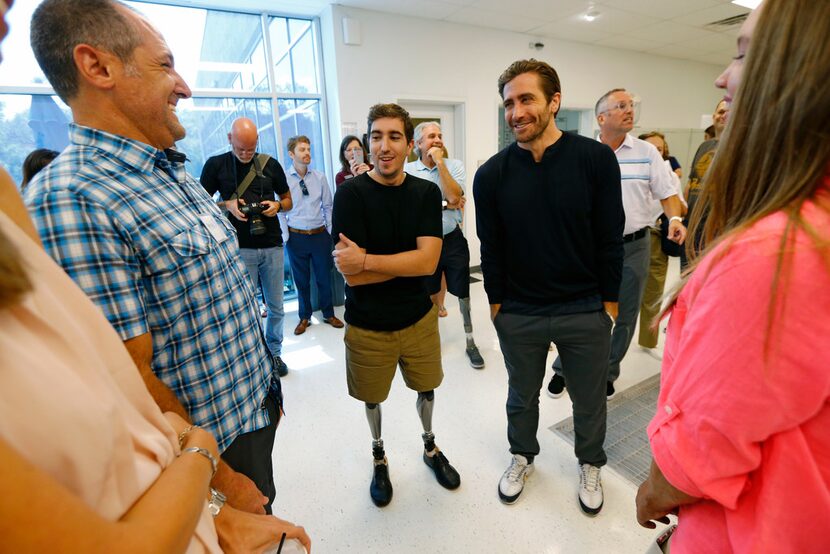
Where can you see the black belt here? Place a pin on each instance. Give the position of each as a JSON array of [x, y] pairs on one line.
[[636, 235], [457, 228]]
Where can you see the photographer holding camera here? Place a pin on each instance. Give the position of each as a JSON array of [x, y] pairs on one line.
[[254, 191]]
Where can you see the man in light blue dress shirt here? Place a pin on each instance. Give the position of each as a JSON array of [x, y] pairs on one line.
[[454, 263], [309, 234]]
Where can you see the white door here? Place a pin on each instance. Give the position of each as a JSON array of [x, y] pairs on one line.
[[444, 114]]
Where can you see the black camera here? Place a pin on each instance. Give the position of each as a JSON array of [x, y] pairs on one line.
[[253, 212]]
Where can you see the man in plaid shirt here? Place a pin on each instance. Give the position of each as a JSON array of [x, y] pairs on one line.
[[142, 238]]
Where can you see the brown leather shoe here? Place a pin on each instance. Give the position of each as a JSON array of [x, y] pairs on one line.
[[334, 322], [301, 327]]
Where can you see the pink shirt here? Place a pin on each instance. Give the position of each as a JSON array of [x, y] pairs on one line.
[[72, 401], [749, 437]]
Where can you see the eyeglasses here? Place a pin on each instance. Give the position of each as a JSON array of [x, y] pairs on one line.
[[622, 106], [303, 187]]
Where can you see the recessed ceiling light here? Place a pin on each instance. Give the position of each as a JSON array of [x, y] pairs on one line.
[[591, 14], [751, 4]]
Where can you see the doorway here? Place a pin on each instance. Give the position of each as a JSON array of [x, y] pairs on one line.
[[449, 115]]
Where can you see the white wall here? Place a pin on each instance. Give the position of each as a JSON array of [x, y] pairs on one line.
[[419, 59]]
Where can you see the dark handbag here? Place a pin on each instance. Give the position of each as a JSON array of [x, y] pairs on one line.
[[669, 247]]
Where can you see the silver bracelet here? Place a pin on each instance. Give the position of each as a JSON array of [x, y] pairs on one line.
[[677, 217], [184, 433], [206, 453]]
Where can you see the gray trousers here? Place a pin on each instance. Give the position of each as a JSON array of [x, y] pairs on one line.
[[634, 275], [583, 341]]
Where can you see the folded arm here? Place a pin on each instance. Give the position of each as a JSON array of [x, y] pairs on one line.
[[360, 268], [38, 514]]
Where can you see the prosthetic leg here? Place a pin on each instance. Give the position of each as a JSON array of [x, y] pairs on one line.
[[472, 350], [446, 475], [381, 487]]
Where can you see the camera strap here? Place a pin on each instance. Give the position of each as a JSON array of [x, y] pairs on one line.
[[256, 171]]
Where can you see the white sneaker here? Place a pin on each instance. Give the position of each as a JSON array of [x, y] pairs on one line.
[[513, 480], [590, 489]]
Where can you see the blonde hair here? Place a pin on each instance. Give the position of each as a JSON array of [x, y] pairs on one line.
[[775, 151], [652, 134]]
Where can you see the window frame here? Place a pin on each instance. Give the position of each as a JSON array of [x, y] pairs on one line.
[[272, 94]]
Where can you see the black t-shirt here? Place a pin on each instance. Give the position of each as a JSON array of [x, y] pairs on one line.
[[387, 220], [551, 231], [224, 173]]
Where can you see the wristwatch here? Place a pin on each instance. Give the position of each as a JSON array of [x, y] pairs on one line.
[[676, 218], [217, 500]]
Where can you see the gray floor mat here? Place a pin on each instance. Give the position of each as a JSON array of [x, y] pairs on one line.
[[626, 443]]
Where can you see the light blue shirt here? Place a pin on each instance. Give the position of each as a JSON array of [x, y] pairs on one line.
[[450, 219], [175, 273], [312, 211]]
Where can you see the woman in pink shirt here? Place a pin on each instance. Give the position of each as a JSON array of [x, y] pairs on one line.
[[741, 437]]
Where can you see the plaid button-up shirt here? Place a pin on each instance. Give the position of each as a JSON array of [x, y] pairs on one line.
[[142, 238]]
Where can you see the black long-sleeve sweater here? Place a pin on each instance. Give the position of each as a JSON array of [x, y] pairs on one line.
[[551, 231]]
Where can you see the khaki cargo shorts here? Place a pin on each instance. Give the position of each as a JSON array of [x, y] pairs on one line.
[[373, 356]]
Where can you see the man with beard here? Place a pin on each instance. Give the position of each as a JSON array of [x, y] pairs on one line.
[[550, 205]]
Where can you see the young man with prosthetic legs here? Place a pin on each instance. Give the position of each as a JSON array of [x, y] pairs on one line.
[[381, 486], [387, 228]]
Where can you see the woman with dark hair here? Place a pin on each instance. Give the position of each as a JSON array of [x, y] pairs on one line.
[[350, 167], [741, 438], [34, 162]]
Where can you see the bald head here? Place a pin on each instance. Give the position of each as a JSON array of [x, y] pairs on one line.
[[243, 138]]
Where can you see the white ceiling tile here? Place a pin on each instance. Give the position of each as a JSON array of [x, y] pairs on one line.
[[626, 42], [495, 20], [430, 9], [662, 9], [568, 32], [546, 10], [710, 15], [667, 32], [672, 28], [610, 21]]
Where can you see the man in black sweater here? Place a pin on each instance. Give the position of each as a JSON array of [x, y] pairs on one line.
[[550, 219]]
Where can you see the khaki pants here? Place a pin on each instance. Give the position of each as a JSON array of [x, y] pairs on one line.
[[373, 356], [653, 294]]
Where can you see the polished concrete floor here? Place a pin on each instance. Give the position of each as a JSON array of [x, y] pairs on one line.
[[323, 461]]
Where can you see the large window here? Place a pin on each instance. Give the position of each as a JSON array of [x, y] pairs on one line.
[[263, 66]]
